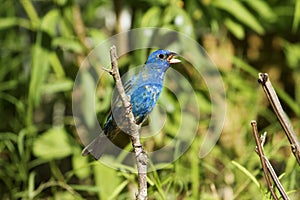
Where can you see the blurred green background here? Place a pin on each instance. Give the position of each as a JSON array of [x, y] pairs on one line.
[[44, 42]]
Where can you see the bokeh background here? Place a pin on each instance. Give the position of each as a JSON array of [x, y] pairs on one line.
[[43, 44]]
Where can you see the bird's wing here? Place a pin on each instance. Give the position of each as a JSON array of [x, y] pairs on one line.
[[128, 85], [117, 104]]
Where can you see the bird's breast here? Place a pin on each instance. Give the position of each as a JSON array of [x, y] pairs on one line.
[[144, 98]]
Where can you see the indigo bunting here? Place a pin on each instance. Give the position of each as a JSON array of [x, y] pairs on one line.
[[143, 91]]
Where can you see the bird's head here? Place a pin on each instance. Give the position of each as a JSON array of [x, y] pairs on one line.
[[162, 58]]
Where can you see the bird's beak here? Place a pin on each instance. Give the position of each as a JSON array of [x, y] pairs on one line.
[[171, 58]]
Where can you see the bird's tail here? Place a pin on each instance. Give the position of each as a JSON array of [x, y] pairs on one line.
[[97, 147]]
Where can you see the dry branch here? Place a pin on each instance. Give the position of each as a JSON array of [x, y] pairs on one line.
[[141, 157], [266, 164], [260, 152], [263, 79]]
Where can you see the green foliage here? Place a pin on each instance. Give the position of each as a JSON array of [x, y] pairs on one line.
[[43, 44], [55, 139]]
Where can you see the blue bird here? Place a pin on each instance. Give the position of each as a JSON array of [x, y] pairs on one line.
[[143, 91]]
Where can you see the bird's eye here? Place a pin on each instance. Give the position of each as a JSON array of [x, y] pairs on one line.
[[161, 56]]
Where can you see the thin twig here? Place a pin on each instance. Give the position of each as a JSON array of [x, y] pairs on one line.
[[262, 159], [275, 179], [141, 157], [263, 79], [271, 170]]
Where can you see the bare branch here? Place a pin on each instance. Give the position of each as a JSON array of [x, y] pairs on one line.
[[271, 170], [275, 179], [263, 79], [262, 159], [141, 157]]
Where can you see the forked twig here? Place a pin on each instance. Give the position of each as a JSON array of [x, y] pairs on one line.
[[262, 159], [141, 157], [259, 150]]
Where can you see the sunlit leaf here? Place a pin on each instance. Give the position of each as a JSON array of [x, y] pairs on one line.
[[106, 179], [7, 22], [296, 20], [39, 72], [31, 13], [56, 65], [80, 165], [263, 9], [58, 86], [66, 195], [118, 190], [50, 21], [97, 36], [88, 96], [181, 19], [31, 184], [236, 29], [68, 44], [292, 53], [61, 2], [152, 17], [52, 144], [246, 172], [238, 10]]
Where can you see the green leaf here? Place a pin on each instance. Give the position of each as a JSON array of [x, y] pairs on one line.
[[119, 189], [61, 2], [9, 22], [80, 165], [58, 86], [50, 21], [237, 9], [296, 20], [246, 172], [56, 65], [69, 44], [96, 36], [151, 18], [31, 12], [8, 85], [292, 53], [245, 66], [236, 29], [52, 144], [39, 72], [31, 185], [107, 180], [66, 195], [181, 20], [88, 98], [263, 9]]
